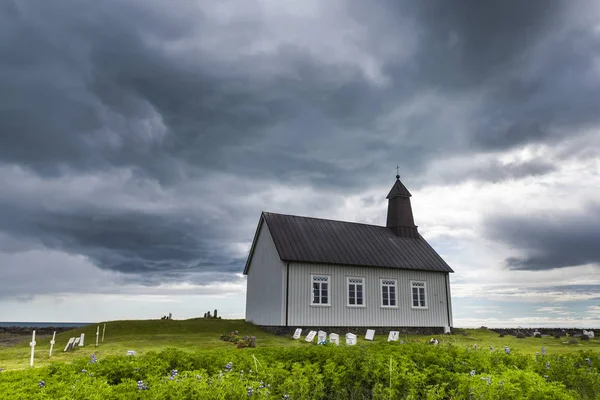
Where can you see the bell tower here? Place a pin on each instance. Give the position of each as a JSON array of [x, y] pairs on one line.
[[399, 215]]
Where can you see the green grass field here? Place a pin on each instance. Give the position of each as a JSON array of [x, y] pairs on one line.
[[197, 334]]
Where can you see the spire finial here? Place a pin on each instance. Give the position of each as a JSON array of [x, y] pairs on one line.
[[397, 171]]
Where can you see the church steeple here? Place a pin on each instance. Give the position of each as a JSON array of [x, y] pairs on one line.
[[399, 215]]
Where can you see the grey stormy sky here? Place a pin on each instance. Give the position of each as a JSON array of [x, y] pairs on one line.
[[140, 140]]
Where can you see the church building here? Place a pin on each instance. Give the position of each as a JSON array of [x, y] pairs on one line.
[[312, 272]]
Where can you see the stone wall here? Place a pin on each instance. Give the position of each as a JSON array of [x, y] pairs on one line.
[[289, 330]]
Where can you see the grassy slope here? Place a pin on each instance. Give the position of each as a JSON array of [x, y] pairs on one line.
[[197, 334]]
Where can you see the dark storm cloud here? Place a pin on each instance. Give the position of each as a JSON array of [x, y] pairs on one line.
[[173, 94], [100, 84], [550, 240], [492, 171], [162, 245]]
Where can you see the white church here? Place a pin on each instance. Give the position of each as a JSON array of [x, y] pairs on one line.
[[311, 272]]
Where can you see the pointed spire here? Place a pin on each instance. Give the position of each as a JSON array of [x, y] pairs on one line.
[[398, 189], [399, 215]]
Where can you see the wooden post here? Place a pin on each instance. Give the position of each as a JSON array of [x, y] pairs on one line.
[[52, 343], [97, 333], [103, 333], [32, 344]]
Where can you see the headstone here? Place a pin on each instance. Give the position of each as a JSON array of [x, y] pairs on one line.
[[370, 334], [589, 334], [297, 333], [52, 342], [334, 338], [32, 344], [130, 353], [350, 339], [310, 336], [76, 343], [393, 336], [252, 341], [321, 336], [97, 334], [81, 340], [215, 314], [103, 330], [69, 345]]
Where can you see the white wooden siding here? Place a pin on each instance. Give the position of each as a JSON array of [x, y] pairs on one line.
[[265, 290], [449, 300], [301, 313]]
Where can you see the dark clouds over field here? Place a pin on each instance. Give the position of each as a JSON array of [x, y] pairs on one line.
[[145, 137]]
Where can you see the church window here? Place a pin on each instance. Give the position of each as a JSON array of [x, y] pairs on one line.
[[320, 290], [356, 292], [419, 297], [388, 293]]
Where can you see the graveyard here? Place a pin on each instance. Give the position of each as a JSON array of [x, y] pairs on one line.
[[307, 364]]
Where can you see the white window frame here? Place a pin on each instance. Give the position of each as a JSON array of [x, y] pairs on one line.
[[419, 285], [349, 282], [387, 284], [312, 282]]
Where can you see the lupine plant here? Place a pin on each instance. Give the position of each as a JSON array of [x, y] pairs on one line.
[[378, 371]]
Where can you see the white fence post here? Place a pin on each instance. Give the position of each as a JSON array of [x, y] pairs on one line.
[[52, 343], [32, 344]]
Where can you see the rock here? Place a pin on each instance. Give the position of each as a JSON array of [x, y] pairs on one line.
[[252, 341], [584, 337], [520, 335], [501, 335]]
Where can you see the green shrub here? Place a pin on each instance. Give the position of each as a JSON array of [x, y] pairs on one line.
[[377, 371]]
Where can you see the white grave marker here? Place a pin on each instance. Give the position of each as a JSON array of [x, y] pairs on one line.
[[321, 336], [52, 344], [81, 340], [97, 333], [297, 333], [32, 344], [393, 336], [76, 343], [310, 336], [103, 329], [370, 334], [350, 339], [69, 345], [334, 338], [130, 352]]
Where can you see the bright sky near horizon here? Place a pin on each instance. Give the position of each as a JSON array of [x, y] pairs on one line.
[[140, 140]]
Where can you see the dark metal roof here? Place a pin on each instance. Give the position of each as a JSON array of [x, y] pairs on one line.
[[304, 239], [398, 189]]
